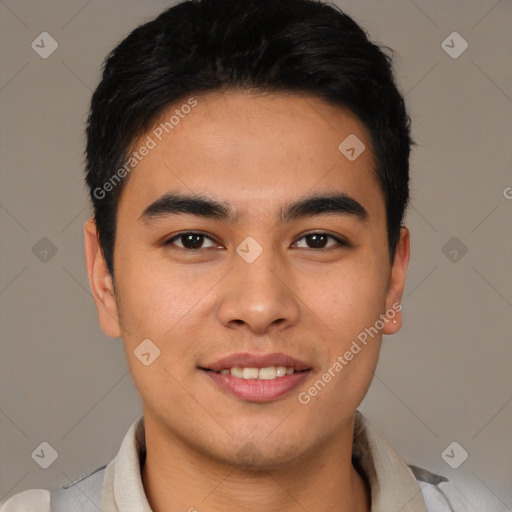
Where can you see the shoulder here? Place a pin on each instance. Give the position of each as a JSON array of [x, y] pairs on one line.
[[33, 500], [83, 494], [439, 493]]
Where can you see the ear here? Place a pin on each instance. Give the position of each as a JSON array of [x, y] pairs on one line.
[[100, 282], [397, 282]]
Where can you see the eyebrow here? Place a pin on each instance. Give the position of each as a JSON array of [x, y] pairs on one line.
[[202, 206]]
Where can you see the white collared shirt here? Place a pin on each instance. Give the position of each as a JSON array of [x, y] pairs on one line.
[[117, 487]]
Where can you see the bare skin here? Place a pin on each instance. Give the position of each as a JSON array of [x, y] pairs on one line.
[[207, 449]]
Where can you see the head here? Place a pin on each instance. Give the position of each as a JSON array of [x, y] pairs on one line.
[[275, 133]]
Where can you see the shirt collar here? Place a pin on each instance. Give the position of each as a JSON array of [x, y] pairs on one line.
[[392, 483]]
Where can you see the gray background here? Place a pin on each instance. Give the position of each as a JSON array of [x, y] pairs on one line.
[[445, 377]]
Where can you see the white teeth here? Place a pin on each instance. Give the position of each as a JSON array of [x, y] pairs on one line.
[[268, 373], [236, 372], [281, 371], [250, 373]]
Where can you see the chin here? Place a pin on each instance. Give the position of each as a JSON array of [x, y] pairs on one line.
[[258, 453]]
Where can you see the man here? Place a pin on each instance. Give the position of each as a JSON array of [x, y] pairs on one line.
[[248, 166]]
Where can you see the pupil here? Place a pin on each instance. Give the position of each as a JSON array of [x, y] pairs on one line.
[[317, 240], [192, 241]]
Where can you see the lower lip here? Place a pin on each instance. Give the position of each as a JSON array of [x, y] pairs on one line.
[[257, 390]]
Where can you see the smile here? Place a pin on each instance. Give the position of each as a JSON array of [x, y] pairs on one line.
[[268, 373]]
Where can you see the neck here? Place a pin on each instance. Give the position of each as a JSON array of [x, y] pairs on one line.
[[177, 478]]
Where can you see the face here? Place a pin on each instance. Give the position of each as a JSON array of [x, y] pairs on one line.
[[276, 258]]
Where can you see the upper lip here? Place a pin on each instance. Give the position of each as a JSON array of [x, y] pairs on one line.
[[247, 360]]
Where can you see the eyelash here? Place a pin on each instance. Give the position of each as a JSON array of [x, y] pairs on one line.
[[340, 241]]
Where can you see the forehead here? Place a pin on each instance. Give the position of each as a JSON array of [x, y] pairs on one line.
[[253, 151]]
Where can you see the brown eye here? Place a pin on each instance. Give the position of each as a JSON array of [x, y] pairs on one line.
[[189, 241], [320, 241], [317, 241]]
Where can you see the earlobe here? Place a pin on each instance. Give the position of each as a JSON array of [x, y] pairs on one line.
[[100, 282], [397, 283]]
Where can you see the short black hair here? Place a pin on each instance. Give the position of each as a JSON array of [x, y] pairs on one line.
[[200, 46]]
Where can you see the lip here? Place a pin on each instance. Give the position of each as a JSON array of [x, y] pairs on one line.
[[256, 390], [247, 360]]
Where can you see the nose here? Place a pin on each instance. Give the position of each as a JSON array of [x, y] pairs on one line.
[[259, 296]]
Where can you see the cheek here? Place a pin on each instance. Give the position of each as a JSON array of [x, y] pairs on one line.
[[158, 307], [155, 295], [167, 305], [348, 300]]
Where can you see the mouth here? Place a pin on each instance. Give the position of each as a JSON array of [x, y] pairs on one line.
[[267, 373], [255, 378]]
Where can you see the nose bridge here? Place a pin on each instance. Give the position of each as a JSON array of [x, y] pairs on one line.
[[259, 292]]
